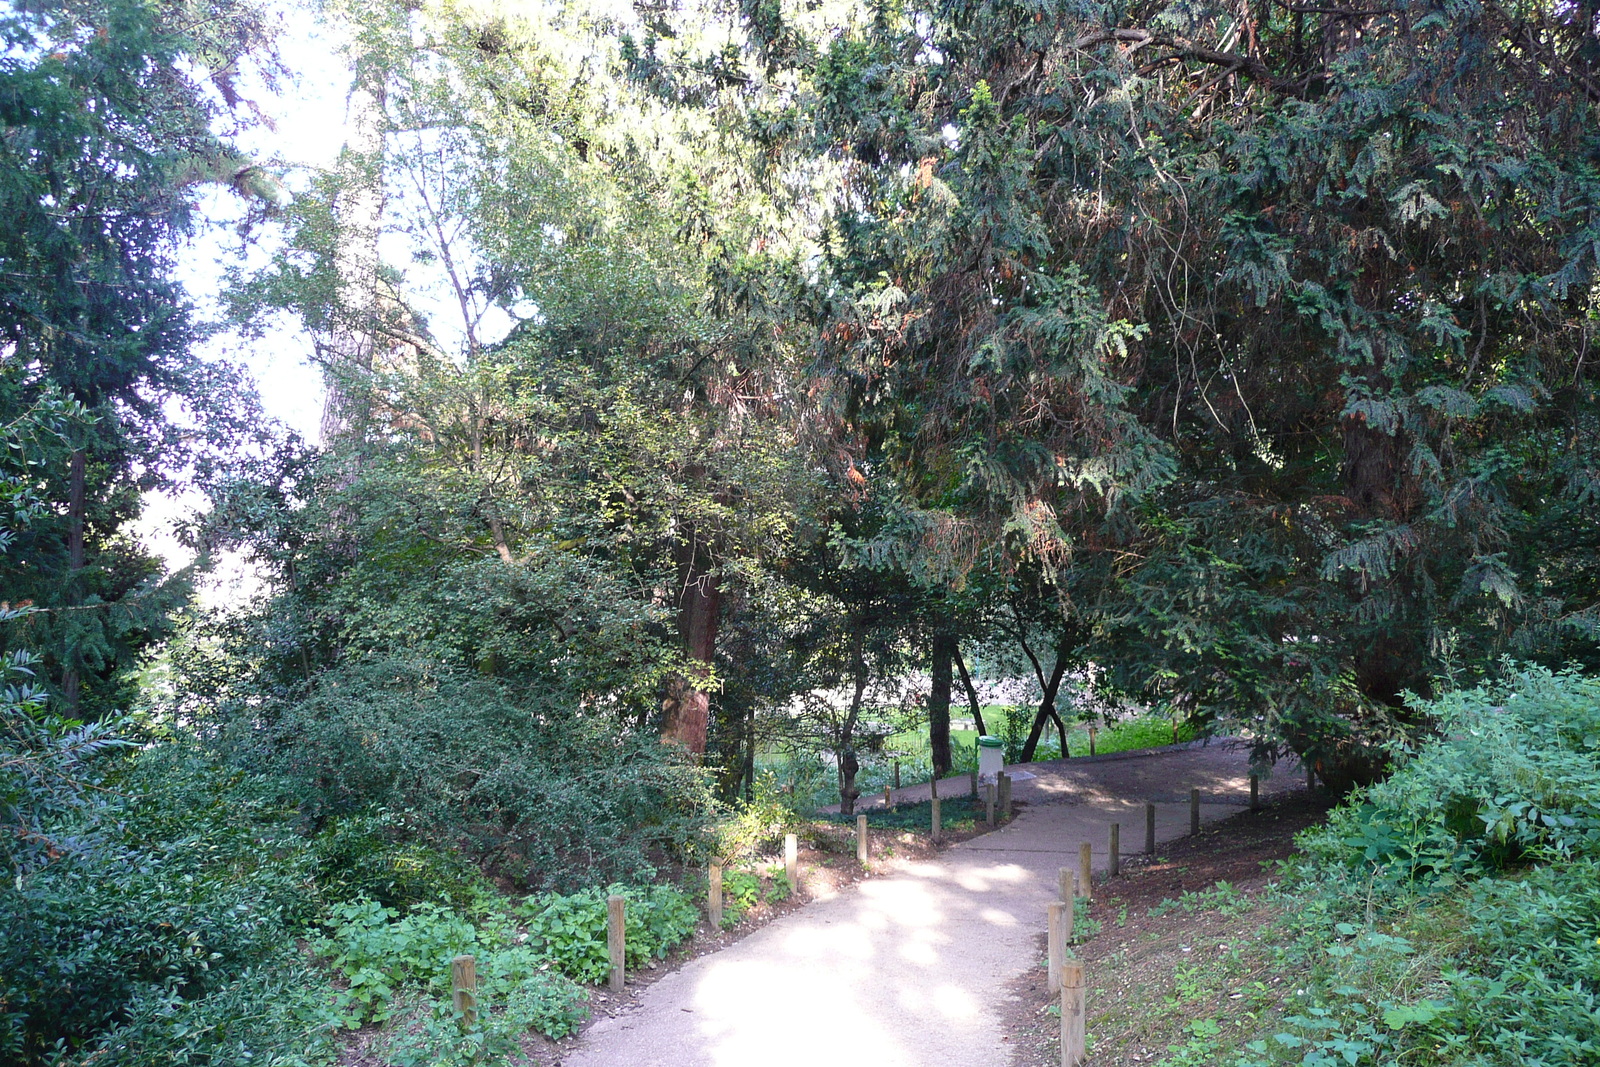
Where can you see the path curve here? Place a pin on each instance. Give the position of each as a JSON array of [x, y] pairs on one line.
[[903, 970]]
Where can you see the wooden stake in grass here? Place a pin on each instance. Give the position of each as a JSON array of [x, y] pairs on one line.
[[897, 774], [1086, 871], [1255, 792], [714, 897], [791, 862], [938, 822], [1005, 797], [888, 799], [1069, 898], [1055, 943], [1091, 740], [1150, 829], [616, 939], [1115, 866], [464, 990], [988, 804], [1194, 811], [861, 839], [1072, 1013]]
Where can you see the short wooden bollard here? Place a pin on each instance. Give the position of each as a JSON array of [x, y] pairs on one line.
[[1069, 897], [974, 785], [464, 990], [1055, 943], [861, 839], [1072, 1013], [888, 799], [988, 803], [1150, 829], [1005, 797], [938, 825], [1115, 866], [897, 774], [714, 896], [616, 939], [1091, 740], [791, 862], [1194, 811], [1255, 792], [1086, 871]]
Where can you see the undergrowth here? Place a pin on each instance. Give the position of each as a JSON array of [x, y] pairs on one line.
[[1451, 914]]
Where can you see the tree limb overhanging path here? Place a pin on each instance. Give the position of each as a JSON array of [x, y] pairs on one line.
[[906, 970]]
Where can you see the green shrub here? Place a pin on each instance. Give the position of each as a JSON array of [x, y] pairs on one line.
[[162, 927], [570, 930], [1516, 777], [1451, 915], [373, 854], [569, 796], [397, 968]]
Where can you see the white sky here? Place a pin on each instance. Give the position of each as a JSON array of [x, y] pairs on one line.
[[303, 132]]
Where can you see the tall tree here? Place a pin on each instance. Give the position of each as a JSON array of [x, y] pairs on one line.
[[104, 133]]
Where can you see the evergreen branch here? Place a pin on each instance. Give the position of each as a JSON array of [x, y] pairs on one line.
[[1182, 49]]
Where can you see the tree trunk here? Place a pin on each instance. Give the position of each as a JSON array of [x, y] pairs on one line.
[[944, 647], [1047, 703], [972, 691], [346, 350], [848, 764], [688, 703], [77, 514]]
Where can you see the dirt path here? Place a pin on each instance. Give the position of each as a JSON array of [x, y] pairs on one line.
[[912, 969]]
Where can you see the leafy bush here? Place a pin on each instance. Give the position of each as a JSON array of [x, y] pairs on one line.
[[1450, 915], [1514, 779], [159, 924], [388, 960], [568, 797], [758, 824], [372, 854], [570, 930]]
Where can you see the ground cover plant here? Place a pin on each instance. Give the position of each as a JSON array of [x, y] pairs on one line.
[[1448, 915], [1452, 912]]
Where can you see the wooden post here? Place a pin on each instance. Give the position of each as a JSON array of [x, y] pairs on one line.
[[938, 824], [464, 990], [861, 839], [1091, 740], [1055, 944], [897, 774], [888, 799], [1086, 871], [714, 897], [1115, 866], [1311, 774], [988, 803], [1150, 829], [974, 785], [1069, 898], [1072, 1013], [616, 939], [1194, 811], [1255, 792], [1005, 797], [1066, 884], [791, 862]]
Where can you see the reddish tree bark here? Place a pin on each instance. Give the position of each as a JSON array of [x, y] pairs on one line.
[[688, 703]]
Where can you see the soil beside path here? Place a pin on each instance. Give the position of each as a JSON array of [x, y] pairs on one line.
[[915, 966]]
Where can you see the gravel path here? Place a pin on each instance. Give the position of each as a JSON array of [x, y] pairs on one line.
[[903, 970]]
